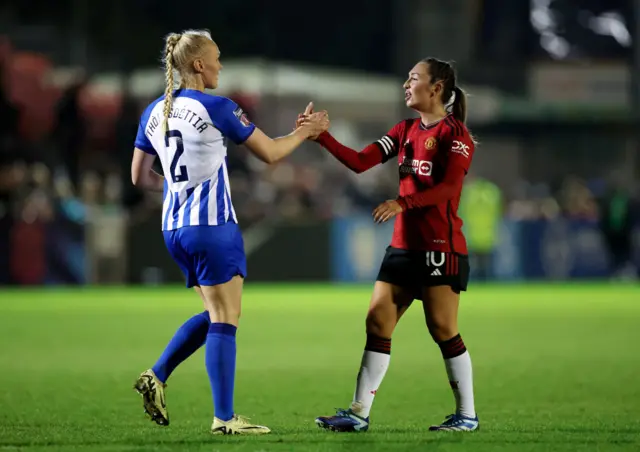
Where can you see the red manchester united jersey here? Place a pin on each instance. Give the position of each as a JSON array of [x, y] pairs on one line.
[[432, 163]]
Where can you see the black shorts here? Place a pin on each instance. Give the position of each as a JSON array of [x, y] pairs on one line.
[[418, 269]]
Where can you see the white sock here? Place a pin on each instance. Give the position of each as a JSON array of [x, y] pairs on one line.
[[373, 368], [461, 379]]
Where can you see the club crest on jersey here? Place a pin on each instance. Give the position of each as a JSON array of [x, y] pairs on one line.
[[242, 116], [430, 143]]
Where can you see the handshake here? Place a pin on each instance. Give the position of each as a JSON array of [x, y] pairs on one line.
[[312, 124]]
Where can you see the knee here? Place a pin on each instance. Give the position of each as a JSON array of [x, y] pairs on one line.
[[442, 330], [224, 312], [223, 302]]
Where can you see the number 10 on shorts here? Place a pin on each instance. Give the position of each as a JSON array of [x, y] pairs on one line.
[[435, 258]]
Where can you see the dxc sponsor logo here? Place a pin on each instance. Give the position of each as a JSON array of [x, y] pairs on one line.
[[460, 148]]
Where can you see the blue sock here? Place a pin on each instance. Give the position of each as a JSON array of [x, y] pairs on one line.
[[220, 359], [189, 338]]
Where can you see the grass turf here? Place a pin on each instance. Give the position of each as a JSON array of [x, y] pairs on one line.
[[556, 368]]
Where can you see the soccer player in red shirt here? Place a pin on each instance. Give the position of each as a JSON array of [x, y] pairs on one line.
[[427, 258]]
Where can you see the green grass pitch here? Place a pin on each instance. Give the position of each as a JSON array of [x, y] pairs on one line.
[[557, 367]]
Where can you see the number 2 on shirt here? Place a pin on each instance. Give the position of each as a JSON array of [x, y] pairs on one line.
[[178, 173]]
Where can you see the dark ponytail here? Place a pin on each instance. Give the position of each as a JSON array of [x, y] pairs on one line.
[[459, 106], [442, 71]]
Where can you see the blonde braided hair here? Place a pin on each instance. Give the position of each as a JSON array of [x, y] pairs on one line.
[[181, 49], [172, 41]]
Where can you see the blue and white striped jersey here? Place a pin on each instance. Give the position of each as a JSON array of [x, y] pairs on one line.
[[193, 154]]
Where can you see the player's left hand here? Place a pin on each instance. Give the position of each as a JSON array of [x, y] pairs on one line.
[[386, 211]]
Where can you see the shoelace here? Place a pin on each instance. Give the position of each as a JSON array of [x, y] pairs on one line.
[[341, 412], [243, 419], [452, 419]]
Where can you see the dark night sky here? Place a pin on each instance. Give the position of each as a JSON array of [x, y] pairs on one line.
[[356, 34], [350, 34]]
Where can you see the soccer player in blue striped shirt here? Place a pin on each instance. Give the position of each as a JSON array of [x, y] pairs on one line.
[[187, 130]]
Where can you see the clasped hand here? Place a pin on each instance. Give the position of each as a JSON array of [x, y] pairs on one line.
[[316, 123]]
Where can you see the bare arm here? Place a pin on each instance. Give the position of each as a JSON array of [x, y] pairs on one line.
[[271, 150], [142, 174]]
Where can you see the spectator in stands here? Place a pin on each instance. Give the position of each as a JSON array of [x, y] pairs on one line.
[[9, 145], [482, 207], [70, 131], [616, 224]]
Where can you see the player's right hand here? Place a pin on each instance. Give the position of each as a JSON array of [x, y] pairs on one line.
[[302, 116], [315, 123], [305, 119]]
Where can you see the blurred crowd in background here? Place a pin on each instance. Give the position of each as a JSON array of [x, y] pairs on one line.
[[80, 160], [59, 156]]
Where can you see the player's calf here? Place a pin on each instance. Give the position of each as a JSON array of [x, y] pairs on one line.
[[373, 367]]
